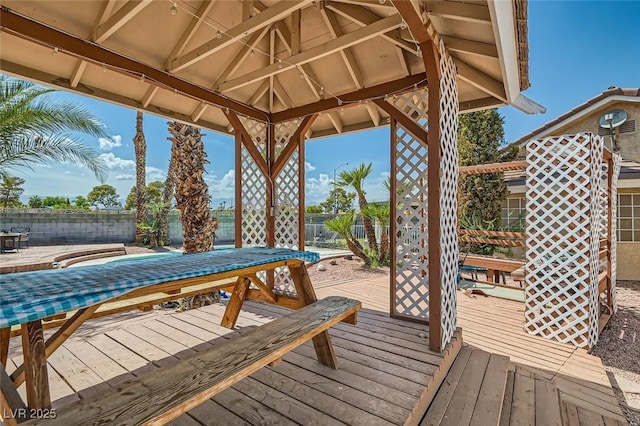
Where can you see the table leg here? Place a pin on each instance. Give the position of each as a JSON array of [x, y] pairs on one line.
[[13, 408], [35, 363], [235, 303], [5, 337], [307, 295]]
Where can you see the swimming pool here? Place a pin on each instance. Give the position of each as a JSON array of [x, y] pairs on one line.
[[131, 258]]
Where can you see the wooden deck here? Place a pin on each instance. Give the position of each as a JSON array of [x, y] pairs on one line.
[[385, 371], [387, 374]]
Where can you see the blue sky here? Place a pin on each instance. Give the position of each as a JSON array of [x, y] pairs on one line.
[[577, 50]]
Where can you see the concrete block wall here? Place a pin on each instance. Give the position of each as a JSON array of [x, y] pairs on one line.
[[77, 227]]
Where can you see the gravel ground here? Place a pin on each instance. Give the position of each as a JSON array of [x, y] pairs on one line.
[[619, 348], [343, 270]]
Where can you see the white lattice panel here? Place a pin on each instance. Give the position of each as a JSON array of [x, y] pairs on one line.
[[563, 227], [254, 185], [410, 214], [287, 200], [617, 161], [449, 254], [410, 211]]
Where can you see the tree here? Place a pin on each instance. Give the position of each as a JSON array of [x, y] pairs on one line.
[[35, 129], [35, 202], [480, 135], [10, 190], [381, 214], [313, 209], [55, 202], [343, 225], [81, 202], [355, 180], [167, 195], [153, 192], [338, 200], [103, 194], [140, 147], [192, 192]]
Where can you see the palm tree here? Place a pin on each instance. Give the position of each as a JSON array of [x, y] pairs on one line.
[[167, 196], [192, 192], [140, 147], [343, 225], [355, 179], [34, 129], [381, 214]]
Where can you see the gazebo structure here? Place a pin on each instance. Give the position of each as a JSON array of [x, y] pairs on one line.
[[275, 73]]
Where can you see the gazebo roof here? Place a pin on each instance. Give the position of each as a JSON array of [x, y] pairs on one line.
[[270, 60]]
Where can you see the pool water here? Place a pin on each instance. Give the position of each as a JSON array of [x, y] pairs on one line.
[[155, 255]]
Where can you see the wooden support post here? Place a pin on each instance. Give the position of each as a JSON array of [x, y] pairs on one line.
[[35, 362], [5, 337], [235, 303], [271, 196], [610, 247], [58, 338], [392, 219], [12, 407], [301, 181], [431, 60], [307, 295]]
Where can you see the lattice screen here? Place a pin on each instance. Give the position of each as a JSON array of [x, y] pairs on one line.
[[254, 185], [410, 211], [287, 201], [563, 229], [449, 255], [617, 161]]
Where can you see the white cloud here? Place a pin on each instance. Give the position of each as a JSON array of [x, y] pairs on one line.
[[114, 162], [125, 177], [109, 144], [317, 190], [308, 167], [154, 173], [385, 174], [67, 172]]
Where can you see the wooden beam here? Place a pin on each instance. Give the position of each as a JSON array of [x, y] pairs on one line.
[[335, 120], [272, 52], [412, 17], [187, 34], [5, 338], [404, 64], [347, 55], [264, 87], [328, 48], [14, 410], [237, 213], [76, 75], [406, 122], [364, 17], [35, 362], [281, 93], [402, 85], [248, 142], [31, 30], [373, 113], [295, 140], [118, 19], [235, 303], [247, 9], [233, 35], [148, 96], [493, 168], [369, 3], [268, 293], [479, 79], [295, 32], [472, 47], [469, 12]]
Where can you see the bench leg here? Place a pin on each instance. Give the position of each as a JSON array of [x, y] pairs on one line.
[[235, 303], [5, 337], [307, 295]]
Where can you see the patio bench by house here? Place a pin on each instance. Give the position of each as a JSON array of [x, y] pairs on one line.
[[167, 392]]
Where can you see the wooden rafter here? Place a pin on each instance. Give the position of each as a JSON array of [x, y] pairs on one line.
[[187, 35], [36, 32], [105, 11], [118, 19], [364, 17], [264, 88], [417, 131], [456, 44], [346, 54], [368, 3], [238, 32], [373, 113], [335, 120], [480, 80], [272, 52], [460, 11], [328, 48], [350, 99]]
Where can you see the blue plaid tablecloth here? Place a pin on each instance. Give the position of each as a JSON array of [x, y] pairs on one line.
[[28, 296]]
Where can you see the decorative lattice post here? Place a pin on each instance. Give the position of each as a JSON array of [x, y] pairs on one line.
[[613, 239], [564, 175], [424, 202]]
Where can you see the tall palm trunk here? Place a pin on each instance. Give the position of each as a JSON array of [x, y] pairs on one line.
[[369, 230], [140, 146], [167, 196], [192, 192]]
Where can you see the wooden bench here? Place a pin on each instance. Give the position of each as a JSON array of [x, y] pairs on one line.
[[166, 393]]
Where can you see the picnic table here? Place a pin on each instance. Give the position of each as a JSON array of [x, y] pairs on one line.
[[30, 297], [9, 236]]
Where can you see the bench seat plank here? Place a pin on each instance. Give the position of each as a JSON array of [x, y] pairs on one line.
[[166, 393]]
